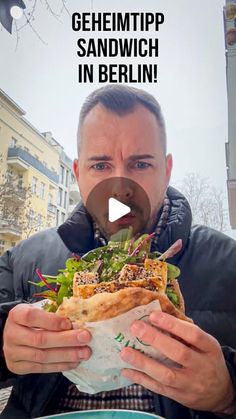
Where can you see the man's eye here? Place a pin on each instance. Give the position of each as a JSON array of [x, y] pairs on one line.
[[142, 165], [99, 166]]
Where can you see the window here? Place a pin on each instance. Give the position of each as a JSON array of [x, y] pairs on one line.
[[67, 178], [65, 200], [60, 193], [62, 217], [34, 185], [13, 142], [2, 242], [62, 173], [13, 244], [42, 190]]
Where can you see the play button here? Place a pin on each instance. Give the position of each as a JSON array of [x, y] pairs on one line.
[[116, 209], [117, 203]]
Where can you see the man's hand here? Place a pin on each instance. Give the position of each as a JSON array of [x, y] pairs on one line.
[[36, 342], [201, 381]]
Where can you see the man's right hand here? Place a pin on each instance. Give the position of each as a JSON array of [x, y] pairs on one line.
[[39, 342]]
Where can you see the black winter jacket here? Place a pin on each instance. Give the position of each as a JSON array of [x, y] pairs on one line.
[[208, 283]]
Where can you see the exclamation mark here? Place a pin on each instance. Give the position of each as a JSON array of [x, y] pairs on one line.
[[155, 73]]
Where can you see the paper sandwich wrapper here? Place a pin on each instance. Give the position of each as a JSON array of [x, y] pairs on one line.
[[102, 372]]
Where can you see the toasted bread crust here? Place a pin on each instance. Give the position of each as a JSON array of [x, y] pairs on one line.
[[107, 305]]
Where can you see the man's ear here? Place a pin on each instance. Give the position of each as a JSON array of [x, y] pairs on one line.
[[169, 165], [76, 169]]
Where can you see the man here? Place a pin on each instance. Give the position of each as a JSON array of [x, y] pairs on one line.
[[122, 134]]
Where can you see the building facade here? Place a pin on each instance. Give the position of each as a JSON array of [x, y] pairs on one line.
[[68, 193], [35, 177], [230, 41]]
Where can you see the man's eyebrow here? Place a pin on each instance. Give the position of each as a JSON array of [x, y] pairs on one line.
[[100, 158], [133, 157], [140, 157]]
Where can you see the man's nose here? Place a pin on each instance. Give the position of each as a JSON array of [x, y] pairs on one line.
[[121, 189]]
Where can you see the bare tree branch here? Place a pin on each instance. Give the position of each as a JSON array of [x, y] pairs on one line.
[[64, 7], [36, 33], [206, 202], [29, 18], [48, 6]]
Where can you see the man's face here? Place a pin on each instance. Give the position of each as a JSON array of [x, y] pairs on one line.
[[128, 146]]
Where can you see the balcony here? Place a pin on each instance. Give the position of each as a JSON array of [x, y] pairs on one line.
[[52, 208], [10, 229], [16, 161], [74, 192], [21, 160]]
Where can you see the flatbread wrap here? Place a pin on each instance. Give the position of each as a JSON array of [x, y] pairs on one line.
[[113, 279]]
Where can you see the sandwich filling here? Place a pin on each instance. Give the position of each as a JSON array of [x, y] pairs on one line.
[[123, 268]]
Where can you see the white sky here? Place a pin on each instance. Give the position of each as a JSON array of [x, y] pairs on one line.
[[42, 79]]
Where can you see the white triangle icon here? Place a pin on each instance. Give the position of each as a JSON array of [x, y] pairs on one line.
[[116, 209]]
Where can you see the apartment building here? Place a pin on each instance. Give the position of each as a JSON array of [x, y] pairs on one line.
[[65, 184], [68, 192], [38, 165]]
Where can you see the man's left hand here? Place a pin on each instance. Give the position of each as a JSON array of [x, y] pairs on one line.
[[201, 381]]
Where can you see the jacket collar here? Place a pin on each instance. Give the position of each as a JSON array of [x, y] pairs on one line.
[[78, 235]]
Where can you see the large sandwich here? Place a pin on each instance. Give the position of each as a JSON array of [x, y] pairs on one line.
[[111, 280]]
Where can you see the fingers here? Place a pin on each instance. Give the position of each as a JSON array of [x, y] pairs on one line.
[[167, 345], [38, 338], [161, 373], [31, 360], [24, 367], [189, 332], [45, 356], [195, 395], [35, 341], [49, 356], [30, 316], [153, 385], [146, 381]]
